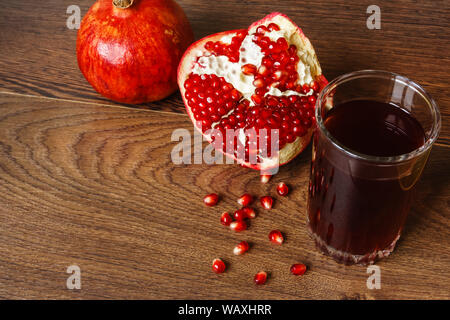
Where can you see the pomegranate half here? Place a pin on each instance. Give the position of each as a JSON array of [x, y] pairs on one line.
[[129, 50], [266, 77]]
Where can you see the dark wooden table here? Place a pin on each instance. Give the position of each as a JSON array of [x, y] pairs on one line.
[[87, 182]]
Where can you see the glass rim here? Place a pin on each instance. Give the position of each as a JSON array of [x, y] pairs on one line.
[[369, 73]]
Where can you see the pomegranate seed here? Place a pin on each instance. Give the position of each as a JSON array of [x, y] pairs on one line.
[[260, 277], [299, 131], [266, 113], [273, 27], [282, 44], [209, 45], [276, 75], [267, 202], [260, 91], [265, 178], [227, 87], [241, 248], [245, 199], [290, 138], [261, 29], [298, 269], [263, 70], [276, 236], [218, 266], [282, 189], [258, 83], [256, 99], [249, 69], [238, 226], [272, 102], [211, 199], [267, 61], [239, 215], [315, 86], [306, 88], [235, 95], [225, 219], [249, 212]]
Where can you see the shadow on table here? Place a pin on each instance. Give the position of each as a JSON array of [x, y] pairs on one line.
[[432, 192]]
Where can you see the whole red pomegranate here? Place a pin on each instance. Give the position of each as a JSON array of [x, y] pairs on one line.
[[255, 81], [129, 50]]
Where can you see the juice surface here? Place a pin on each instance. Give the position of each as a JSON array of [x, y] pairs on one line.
[[374, 128]]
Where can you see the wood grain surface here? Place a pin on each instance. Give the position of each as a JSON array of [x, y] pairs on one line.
[[88, 182]]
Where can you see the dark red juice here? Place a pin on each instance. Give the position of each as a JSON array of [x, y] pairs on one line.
[[357, 208]]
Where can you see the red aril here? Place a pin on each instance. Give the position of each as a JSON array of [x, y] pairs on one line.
[[260, 277], [245, 199], [276, 237], [241, 248], [238, 226], [249, 212], [225, 219], [211, 199], [129, 50], [265, 178], [240, 215], [282, 189], [218, 266], [267, 202], [298, 269], [258, 86]]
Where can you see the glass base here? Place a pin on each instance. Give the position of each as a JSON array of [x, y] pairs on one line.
[[348, 258]]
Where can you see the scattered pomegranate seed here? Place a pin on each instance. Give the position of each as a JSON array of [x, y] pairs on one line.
[[298, 269], [265, 178], [211, 199], [282, 189], [249, 212], [267, 202], [226, 219], [240, 215], [218, 266], [259, 83], [245, 199], [241, 248], [276, 236], [260, 277], [238, 226]]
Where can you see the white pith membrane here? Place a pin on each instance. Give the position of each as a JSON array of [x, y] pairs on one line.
[[308, 69]]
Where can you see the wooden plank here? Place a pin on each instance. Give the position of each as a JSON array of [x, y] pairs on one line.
[[95, 186], [38, 50]]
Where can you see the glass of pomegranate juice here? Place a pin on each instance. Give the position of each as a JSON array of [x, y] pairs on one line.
[[374, 133]]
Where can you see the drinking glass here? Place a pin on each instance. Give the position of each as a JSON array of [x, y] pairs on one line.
[[358, 203]]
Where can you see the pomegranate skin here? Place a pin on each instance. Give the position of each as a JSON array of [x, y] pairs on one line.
[[131, 55]]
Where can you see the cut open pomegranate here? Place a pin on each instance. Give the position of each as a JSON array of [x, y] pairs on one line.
[[252, 92]]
